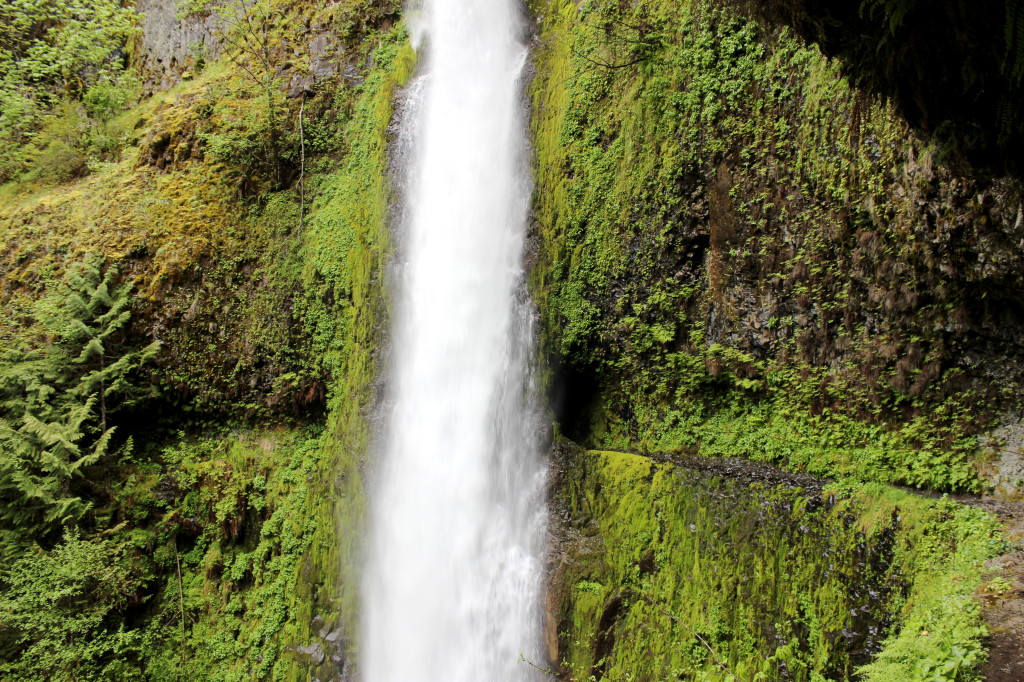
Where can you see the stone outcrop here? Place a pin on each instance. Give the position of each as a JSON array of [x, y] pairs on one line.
[[172, 45]]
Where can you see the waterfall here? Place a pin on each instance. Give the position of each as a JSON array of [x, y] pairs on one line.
[[453, 581]]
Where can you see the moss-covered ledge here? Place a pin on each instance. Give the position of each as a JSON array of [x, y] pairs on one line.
[[723, 570]]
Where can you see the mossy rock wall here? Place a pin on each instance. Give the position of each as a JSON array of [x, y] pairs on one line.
[[343, 250], [739, 253], [722, 570]]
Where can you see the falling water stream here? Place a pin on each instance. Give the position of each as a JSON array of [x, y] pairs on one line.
[[452, 584]]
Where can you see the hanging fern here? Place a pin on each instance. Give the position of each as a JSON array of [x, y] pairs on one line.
[[895, 11], [55, 401], [1013, 56]]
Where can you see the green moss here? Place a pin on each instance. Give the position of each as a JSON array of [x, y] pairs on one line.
[[941, 636], [699, 573], [345, 247]]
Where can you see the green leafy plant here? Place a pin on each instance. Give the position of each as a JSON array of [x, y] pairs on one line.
[[253, 137], [55, 400], [87, 318], [58, 611], [53, 52]]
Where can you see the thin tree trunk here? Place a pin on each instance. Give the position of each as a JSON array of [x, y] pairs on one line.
[[302, 165], [181, 600], [103, 398]]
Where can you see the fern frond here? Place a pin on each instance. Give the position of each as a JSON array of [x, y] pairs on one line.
[[93, 348]]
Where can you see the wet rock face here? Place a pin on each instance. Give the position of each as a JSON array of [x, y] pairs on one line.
[[325, 656], [175, 45], [1004, 448], [802, 245], [171, 46], [923, 280]]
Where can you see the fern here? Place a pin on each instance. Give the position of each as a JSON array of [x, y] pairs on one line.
[[1013, 35], [55, 400], [895, 11]]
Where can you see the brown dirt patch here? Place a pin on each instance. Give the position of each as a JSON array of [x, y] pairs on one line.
[[1004, 611]]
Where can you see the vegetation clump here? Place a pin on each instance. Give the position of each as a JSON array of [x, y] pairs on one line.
[[676, 571], [57, 400], [63, 77]]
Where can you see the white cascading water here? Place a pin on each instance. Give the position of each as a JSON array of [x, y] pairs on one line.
[[453, 582]]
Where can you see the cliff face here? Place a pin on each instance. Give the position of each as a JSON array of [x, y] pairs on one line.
[[174, 42], [713, 569], [952, 68], [741, 254]]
